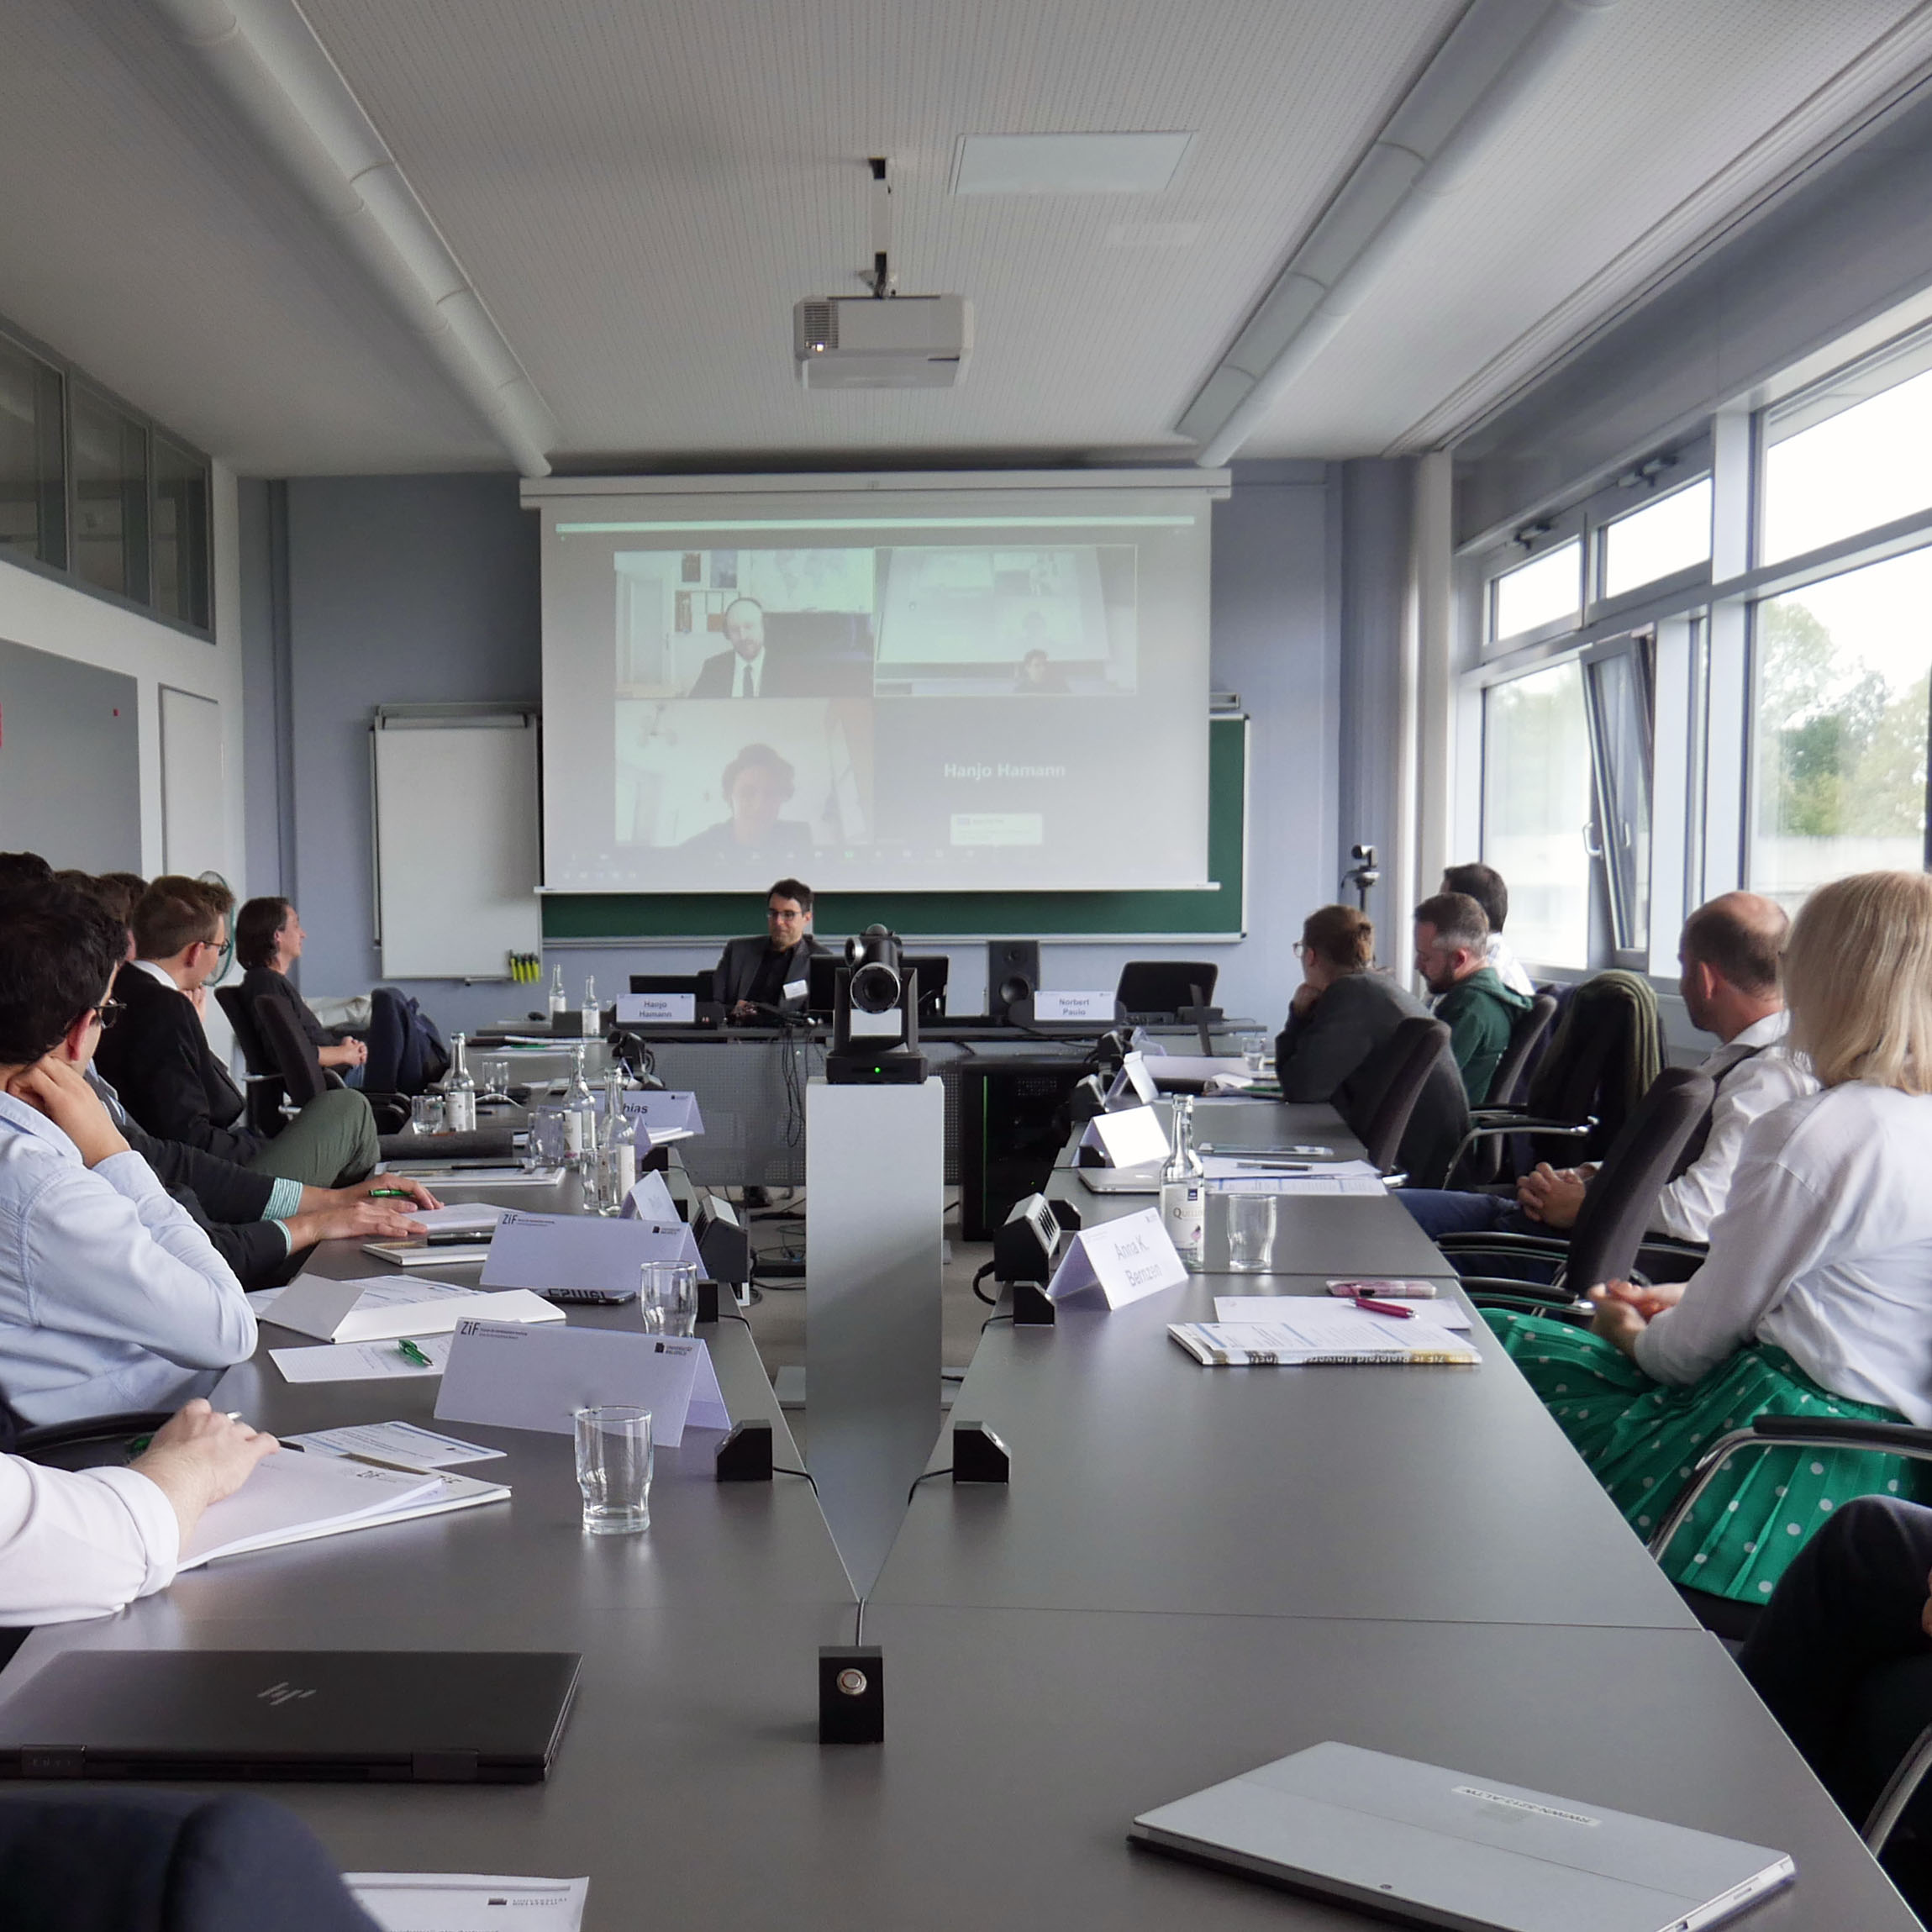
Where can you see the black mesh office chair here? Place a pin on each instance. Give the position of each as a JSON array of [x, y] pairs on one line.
[[1396, 1073], [1479, 1159], [1617, 1207], [1166, 987], [264, 1090]]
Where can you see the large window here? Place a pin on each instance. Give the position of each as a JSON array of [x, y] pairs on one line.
[[1536, 810], [1838, 727], [1547, 590], [1841, 459], [33, 485], [92, 489]]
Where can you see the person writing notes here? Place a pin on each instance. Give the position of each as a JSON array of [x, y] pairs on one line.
[[754, 978], [86, 1543], [1817, 1296], [111, 1297]]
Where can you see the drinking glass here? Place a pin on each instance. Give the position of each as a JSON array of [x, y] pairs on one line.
[[426, 1113], [1257, 1050], [495, 1080], [668, 1297], [547, 1143], [1250, 1232], [614, 1468]]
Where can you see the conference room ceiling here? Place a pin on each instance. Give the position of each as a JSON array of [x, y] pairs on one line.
[[639, 192]]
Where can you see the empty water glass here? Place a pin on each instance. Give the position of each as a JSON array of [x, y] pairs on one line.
[[614, 1468], [426, 1113], [1257, 1050], [546, 1142], [495, 1080], [1250, 1232], [668, 1297]]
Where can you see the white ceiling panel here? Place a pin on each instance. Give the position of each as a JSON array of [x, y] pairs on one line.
[[639, 192]]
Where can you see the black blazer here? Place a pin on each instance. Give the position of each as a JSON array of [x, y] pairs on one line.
[[1319, 1056], [264, 983], [737, 969], [160, 1062], [717, 675]]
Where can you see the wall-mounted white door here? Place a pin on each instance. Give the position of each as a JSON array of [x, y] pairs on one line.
[[194, 823]]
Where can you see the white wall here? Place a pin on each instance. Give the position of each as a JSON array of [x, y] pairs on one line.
[[46, 614]]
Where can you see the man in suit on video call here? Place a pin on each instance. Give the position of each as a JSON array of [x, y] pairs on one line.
[[758, 978], [748, 669]]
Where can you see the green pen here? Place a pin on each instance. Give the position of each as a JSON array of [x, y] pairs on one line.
[[412, 1355], [390, 1194]]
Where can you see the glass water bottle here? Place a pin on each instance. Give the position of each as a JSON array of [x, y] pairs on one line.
[[1183, 1190], [460, 1090], [592, 1012], [580, 1115], [559, 1000], [617, 1148]]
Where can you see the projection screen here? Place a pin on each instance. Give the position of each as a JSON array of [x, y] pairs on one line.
[[925, 683]]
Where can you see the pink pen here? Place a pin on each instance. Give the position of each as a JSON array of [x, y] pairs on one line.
[[1376, 1307]]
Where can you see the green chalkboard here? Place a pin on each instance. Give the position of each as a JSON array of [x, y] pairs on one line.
[[1213, 914]]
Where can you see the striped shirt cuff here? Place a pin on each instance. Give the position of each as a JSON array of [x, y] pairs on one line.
[[284, 1199]]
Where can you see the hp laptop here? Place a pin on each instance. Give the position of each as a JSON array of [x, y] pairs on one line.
[[435, 1716], [1436, 1847]]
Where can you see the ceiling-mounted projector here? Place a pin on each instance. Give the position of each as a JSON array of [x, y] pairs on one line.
[[881, 342]]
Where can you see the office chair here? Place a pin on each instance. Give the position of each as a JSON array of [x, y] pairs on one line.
[[174, 1861], [1165, 987], [1524, 1037], [1610, 1228], [1478, 1159], [265, 1090], [1398, 1072], [291, 1052]]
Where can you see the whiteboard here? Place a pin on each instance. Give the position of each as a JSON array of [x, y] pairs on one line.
[[456, 863], [194, 811]]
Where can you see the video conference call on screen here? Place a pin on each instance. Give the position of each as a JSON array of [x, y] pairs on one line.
[[905, 706]]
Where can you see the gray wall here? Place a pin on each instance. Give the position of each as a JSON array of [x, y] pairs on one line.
[[424, 589], [69, 761]]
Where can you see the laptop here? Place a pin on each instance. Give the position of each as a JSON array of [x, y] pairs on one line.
[[1435, 1847], [423, 1717], [1146, 1179]]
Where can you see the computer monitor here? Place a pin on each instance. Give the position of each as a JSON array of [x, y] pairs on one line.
[[1161, 988], [698, 982]]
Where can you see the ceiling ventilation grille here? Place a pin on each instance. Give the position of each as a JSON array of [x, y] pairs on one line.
[[818, 325]]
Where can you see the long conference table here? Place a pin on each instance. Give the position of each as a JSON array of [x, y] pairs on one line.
[[1191, 1572]]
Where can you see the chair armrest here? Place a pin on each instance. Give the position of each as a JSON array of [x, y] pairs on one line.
[[1788, 1432], [48, 1436], [1900, 1789], [1499, 1291], [1502, 1242]]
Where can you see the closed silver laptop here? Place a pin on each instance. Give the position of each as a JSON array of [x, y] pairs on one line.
[[1437, 1847]]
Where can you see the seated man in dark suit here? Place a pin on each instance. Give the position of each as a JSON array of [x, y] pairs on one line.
[[160, 1062], [748, 669], [757, 978], [268, 938]]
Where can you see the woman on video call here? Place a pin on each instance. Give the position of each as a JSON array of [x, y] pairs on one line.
[[757, 785]]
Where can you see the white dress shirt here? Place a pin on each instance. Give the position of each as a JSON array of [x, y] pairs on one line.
[[1504, 964], [1764, 1080], [111, 1298], [1824, 1248], [81, 1543]]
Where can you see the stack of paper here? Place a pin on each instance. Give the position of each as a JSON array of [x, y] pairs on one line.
[[294, 1498], [1250, 1308], [1234, 1174], [400, 1444], [382, 1308], [1308, 1332], [362, 1361]]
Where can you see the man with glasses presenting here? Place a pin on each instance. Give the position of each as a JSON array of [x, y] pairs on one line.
[[166, 1073], [111, 1297]]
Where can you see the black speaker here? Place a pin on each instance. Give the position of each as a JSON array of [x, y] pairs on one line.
[[1012, 974]]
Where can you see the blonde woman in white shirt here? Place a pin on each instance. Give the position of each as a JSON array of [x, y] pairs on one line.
[[1816, 1297]]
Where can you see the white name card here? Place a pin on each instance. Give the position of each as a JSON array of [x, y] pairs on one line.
[[543, 1252], [794, 989], [1135, 1085], [1129, 1138], [667, 1116], [650, 1200], [1118, 1262], [492, 1378], [656, 1009], [1074, 1006]]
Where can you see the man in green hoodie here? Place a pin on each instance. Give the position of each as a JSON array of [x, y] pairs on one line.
[[1452, 952]]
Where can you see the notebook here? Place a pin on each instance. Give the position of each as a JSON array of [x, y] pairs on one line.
[[1431, 1846], [1328, 1333], [434, 1717]]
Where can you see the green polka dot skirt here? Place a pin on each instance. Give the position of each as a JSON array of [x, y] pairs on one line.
[[1641, 1437]]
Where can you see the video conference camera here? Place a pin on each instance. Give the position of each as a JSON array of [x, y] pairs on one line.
[[875, 984]]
